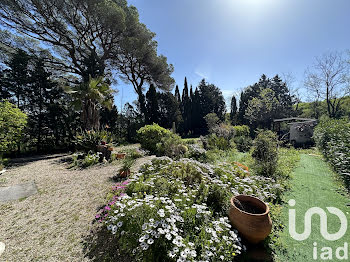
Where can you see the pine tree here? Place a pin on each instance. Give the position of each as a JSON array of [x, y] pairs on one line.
[[17, 77]]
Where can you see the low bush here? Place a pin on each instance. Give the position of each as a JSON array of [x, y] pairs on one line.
[[243, 143], [84, 160], [265, 153], [177, 211], [225, 131], [216, 142], [150, 135], [332, 137], [196, 152], [172, 146], [161, 142]]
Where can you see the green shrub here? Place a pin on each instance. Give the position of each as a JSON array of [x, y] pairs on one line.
[[190, 141], [212, 120], [12, 123], [224, 131], [150, 135], [88, 140], [243, 143], [172, 146], [241, 130], [332, 137], [215, 142], [265, 152]]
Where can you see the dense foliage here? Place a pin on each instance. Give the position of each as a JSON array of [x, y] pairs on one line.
[[12, 123], [174, 210], [262, 102], [332, 137]]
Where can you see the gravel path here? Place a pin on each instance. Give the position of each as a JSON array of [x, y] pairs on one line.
[[52, 225]]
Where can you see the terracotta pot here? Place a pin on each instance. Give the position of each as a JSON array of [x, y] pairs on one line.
[[120, 155], [253, 227], [124, 173]]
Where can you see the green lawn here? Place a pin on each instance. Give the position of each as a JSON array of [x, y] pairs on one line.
[[313, 184]]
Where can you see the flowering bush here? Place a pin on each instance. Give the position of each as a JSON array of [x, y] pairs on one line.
[[177, 211], [332, 137]]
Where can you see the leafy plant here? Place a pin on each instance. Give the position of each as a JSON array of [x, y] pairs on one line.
[[88, 140], [127, 164]]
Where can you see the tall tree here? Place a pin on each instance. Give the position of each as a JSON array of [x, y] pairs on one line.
[[261, 109], [233, 112], [186, 107], [177, 94], [280, 92], [89, 38], [80, 34], [208, 99], [138, 62], [39, 90], [16, 77], [169, 111], [328, 79], [152, 115]]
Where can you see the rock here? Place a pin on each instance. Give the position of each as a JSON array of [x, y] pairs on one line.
[[2, 248], [17, 191]]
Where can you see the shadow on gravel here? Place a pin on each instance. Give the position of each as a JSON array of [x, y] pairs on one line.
[[22, 161], [101, 245]]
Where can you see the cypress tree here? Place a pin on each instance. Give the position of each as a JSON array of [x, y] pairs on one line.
[[152, 108], [233, 110], [177, 94], [185, 107]]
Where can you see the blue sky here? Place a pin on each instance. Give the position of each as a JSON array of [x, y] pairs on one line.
[[231, 43]]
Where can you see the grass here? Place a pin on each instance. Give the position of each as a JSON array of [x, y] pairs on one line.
[[313, 184]]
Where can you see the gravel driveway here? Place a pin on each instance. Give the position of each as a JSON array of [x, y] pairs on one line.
[[52, 225]]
